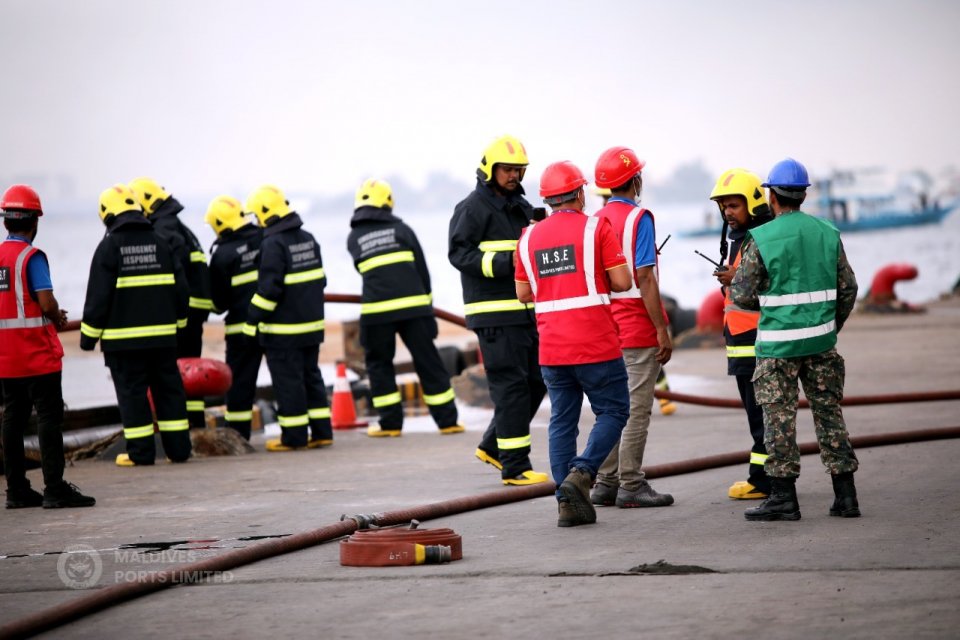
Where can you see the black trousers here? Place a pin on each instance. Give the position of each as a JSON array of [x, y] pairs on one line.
[[243, 357], [301, 395], [134, 373], [20, 397], [756, 475], [190, 338], [379, 342], [511, 357], [190, 345]]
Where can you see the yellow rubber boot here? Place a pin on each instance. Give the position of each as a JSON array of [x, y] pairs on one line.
[[743, 490], [527, 477], [667, 407], [483, 456], [276, 445], [374, 431], [123, 460], [457, 428], [319, 443]]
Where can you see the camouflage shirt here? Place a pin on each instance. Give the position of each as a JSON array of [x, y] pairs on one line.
[[751, 280]]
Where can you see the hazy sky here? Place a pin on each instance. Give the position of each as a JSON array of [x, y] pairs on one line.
[[220, 96]]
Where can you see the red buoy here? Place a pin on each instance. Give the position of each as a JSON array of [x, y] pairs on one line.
[[710, 313], [204, 377]]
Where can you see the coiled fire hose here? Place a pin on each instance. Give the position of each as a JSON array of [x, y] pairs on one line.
[[400, 547], [114, 594]]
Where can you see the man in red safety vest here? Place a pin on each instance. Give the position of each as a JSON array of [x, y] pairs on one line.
[[31, 358], [567, 265], [642, 327]]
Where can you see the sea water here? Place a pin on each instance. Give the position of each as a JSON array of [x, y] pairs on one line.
[[70, 240]]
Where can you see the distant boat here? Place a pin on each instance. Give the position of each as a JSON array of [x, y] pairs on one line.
[[879, 213], [906, 206]]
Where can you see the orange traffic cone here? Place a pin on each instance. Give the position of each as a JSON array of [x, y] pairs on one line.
[[343, 413]]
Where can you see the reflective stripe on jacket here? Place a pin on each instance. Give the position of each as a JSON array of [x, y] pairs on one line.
[[482, 238], [187, 249], [387, 254], [233, 274], [287, 309], [136, 293]]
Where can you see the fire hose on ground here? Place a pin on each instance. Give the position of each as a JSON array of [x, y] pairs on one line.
[[186, 574], [350, 298], [101, 599]]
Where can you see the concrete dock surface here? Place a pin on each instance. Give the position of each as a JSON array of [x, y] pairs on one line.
[[893, 573]]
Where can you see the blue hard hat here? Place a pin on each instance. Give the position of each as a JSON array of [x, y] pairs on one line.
[[788, 173]]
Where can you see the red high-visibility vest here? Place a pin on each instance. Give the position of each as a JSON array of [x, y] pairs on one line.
[[29, 344], [633, 322], [564, 259]]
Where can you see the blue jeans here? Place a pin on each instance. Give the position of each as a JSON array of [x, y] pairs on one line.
[[605, 384]]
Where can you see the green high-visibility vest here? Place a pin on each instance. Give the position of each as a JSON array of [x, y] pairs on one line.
[[798, 312]]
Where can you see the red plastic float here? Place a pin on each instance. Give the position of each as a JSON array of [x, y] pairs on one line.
[[204, 377], [710, 313]]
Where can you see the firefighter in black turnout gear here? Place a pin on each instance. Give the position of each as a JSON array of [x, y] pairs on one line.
[[136, 299], [483, 239], [233, 281], [286, 313], [396, 299], [163, 211]]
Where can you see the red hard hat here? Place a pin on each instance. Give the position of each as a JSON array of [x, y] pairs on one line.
[[615, 166], [20, 197], [560, 178]]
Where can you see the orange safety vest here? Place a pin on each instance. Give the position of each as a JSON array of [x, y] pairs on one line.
[[735, 319], [29, 344]]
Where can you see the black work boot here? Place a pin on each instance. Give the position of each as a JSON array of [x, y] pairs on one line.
[[845, 496], [67, 495], [781, 505], [23, 498]]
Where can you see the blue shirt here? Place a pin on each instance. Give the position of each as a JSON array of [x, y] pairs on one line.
[[38, 270], [645, 253]]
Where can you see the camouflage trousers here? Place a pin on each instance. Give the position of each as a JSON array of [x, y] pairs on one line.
[[775, 383]]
